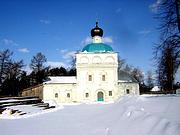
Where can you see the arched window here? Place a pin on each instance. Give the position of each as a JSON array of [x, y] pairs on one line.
[[100, 96], [56, 95]]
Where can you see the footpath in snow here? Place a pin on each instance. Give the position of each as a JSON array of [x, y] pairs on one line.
[[130, 115]]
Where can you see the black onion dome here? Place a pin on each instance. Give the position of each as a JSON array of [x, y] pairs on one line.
[[96, 31]]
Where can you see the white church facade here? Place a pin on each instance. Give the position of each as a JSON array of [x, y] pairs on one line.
[[97, 79]]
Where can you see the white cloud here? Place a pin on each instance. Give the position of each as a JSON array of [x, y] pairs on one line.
[[23, 50], [63, 50], [107, 40], [27, 69], [6, 41], [155, 6], [69, 55], [144, 32], [43, 21], [54, 64], [87, 40]]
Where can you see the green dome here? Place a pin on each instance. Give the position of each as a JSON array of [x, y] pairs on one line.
[[97, 47]]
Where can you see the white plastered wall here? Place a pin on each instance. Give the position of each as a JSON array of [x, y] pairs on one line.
[[96, 64], [50, 90]]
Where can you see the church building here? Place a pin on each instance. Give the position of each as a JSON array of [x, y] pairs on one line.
[[98, 78]]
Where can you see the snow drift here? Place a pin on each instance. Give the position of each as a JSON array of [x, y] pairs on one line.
[[131, 115]]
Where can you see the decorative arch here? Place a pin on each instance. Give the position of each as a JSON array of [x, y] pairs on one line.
[[97, 59], [109, 59], [84, 59], [100, 95]]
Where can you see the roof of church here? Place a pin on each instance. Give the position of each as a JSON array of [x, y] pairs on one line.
[[61, 79], [125, 77], [97, 47]]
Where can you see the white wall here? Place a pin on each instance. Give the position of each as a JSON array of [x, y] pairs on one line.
[[62, 89], [96, 64]]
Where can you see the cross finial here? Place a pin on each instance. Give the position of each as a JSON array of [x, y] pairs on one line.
[[97, 24]]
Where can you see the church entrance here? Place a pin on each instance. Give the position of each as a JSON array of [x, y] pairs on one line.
[[100, 96]]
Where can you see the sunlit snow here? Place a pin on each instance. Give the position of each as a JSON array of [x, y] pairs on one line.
[[130, 115]]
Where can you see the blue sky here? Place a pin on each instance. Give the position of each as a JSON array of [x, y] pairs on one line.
[[58, 28]]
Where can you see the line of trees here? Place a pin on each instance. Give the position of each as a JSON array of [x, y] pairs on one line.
[[146, 80], [13, 79]]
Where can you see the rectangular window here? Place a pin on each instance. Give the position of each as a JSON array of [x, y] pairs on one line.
[[110, 93], [90, 78], [56, 95], [68, 95], [127, 91], [103, 78], [87, 95]]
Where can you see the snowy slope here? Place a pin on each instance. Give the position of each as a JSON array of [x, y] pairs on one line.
[[140, 115]]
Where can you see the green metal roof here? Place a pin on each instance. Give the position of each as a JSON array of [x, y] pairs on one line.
[[97, 47]]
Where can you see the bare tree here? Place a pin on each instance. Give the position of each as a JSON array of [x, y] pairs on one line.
[[169, 15], [11, 84], [167, 51], [121, 63], [37, 62], [138, 75], [128, 68], [150, 79], [4, 63], [15, 69], [40, 72]]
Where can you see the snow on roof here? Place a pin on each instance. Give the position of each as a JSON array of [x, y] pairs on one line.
[[155, 88], [62, 79]]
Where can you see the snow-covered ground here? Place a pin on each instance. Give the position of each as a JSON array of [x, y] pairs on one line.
[[131, 115]]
